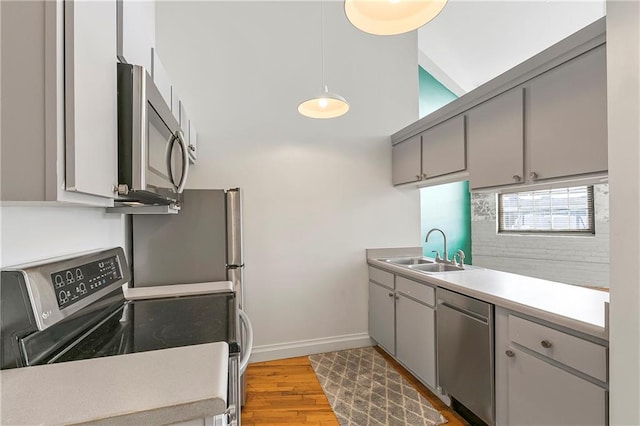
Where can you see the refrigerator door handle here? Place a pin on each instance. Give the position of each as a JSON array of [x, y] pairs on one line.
[[234, 226], [247, 340], [235, 266]]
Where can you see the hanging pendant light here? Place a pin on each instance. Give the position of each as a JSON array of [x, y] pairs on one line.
[[326, 104], [390, 17]]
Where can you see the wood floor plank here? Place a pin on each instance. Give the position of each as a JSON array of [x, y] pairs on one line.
[[287, 392]]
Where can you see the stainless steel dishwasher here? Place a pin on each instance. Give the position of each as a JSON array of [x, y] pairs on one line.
[[465, 353]]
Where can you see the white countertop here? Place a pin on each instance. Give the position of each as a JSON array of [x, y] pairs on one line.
[[155, 387], [578, 308]]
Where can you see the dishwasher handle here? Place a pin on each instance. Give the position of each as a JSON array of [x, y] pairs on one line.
[[469, 314]]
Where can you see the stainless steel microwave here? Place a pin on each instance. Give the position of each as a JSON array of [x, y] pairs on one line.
[[153, 161]]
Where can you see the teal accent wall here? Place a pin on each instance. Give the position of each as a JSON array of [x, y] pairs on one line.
[[447, 206], [433, 95]]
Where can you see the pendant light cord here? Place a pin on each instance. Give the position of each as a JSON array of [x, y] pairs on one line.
[[324, 86]]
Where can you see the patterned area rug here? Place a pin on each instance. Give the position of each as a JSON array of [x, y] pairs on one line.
[[364, 389]]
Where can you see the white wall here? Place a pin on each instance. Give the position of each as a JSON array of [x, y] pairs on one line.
[[316, 192], [34, 233], [580, 260], [623, 96]]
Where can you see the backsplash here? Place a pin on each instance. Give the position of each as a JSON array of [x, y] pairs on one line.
[[32, 233], [580, 260]]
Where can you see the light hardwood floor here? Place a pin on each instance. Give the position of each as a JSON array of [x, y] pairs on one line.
[[287, 392]]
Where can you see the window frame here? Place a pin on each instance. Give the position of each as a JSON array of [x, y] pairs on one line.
[[590, 231]]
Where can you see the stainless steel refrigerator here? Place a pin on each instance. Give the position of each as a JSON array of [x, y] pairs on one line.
[[202, 243]]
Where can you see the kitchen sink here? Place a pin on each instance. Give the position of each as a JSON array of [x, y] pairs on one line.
[[409, 261], [435, 267]]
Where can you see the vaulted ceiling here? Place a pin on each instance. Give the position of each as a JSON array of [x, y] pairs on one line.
[[473, 41]]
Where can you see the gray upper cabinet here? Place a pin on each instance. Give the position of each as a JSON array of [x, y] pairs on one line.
[[59, 111], [162, 81], [136, 32], [567, 118], [443, 148], [438, 151], [193, 142], [406, 165], [542, 122], [495, 132], [91, 111], [189, 130]]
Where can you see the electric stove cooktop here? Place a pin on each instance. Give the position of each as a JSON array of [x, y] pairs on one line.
[[147, 325]]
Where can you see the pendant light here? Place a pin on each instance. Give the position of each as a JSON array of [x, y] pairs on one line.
[[390, 17], [326, 104]]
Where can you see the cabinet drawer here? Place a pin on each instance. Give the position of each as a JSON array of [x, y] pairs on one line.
[[587, 357], [381, 277], [418, 291], [542, 394]]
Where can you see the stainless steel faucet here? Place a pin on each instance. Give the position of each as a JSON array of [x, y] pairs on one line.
[[444, 237]]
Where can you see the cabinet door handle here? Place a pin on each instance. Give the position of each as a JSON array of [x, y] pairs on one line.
[[424, 176], [533, 175], [517, 178], [397, 297], [390, 294], [510, 353], [419, 177], [546, 344]]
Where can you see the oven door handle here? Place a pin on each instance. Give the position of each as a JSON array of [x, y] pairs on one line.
[[247, 345]]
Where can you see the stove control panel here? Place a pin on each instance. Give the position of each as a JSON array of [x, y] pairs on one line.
[[74, 284], [60, 287]]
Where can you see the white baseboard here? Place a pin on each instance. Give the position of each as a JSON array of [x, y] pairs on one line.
[[309, 347]]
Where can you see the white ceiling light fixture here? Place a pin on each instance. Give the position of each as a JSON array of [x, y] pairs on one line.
[[390, 17], [326, 104]]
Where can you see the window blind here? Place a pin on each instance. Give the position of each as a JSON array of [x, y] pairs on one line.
[[559, 210]]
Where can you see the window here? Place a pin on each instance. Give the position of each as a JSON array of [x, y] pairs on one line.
[[562, 210]]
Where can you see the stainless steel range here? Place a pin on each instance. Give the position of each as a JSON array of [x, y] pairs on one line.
[[74, 308]]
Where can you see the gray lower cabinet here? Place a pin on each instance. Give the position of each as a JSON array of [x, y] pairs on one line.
[[402, 321], [566, 125], [495, 132], [381, 316], [415, 338], [548, 376], [542, 394]]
